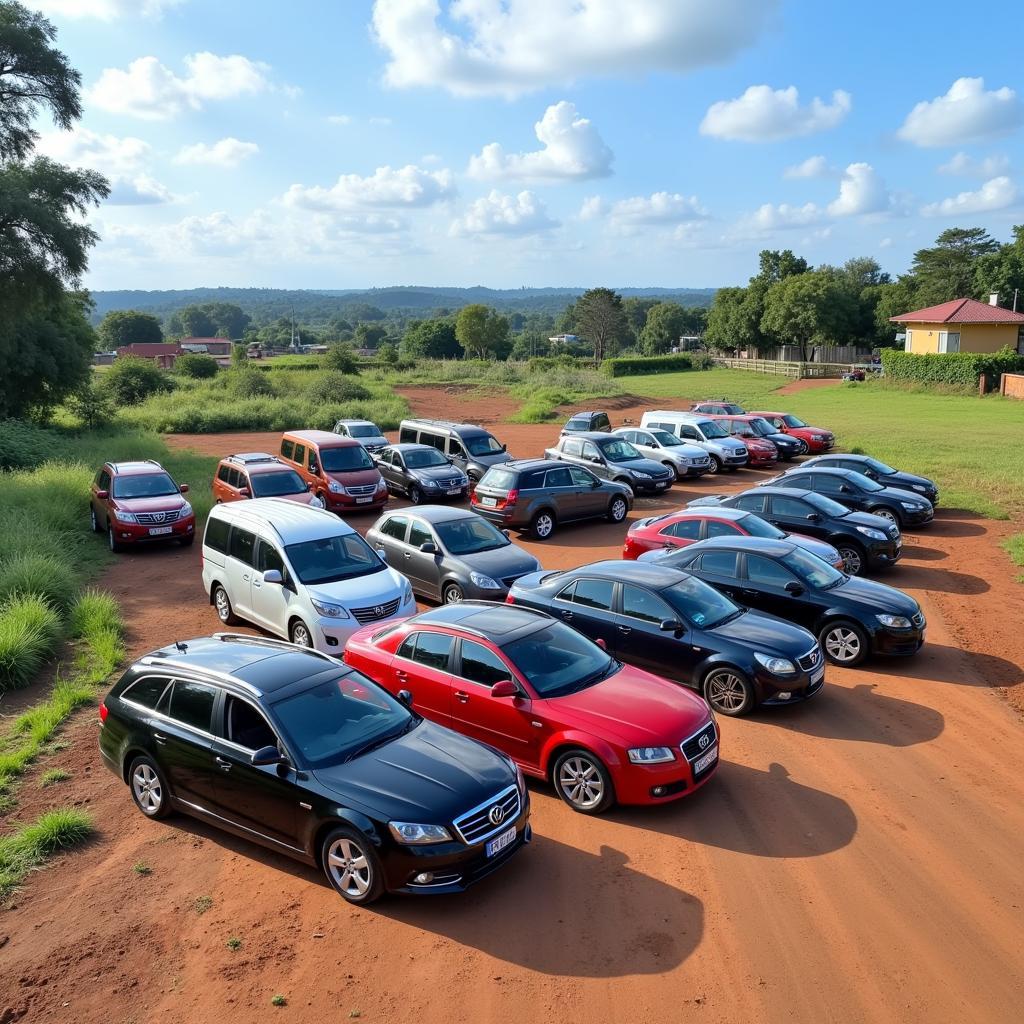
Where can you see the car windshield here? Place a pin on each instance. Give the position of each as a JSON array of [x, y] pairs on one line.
[[469, 535], [757, 527], [745, 431], [557, 661], [619, 451], [865, 483], [282, 481], [762, 427], [700, 604], [793, 421], [341, 719], [345, 460], [709, 428], [422, 459], [482, 444], [333, 558], [499, 479], [826, 505], [665, 439], [880, 467], [812, 570], [151, 485], [363, 430]]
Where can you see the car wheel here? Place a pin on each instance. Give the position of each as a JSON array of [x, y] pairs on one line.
[[543, 525], [888, 515], [852, 556], [716, 465], [149, 791], [95, 523], [617, 510], [452, 594], [222, 605], [673, 469], [187, 542], [415, 494], [844, 643], [583, 782], [322, 498], [352, 866], [299, 634], [728, 691], [112, 542]]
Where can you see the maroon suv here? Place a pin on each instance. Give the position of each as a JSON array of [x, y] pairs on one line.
[[138, 502]]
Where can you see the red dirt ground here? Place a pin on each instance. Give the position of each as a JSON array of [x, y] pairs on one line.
[[856, 860]]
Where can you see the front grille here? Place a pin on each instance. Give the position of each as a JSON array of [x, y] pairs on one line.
[[811, 660], [918, 620], [699, 743], [509, 580], [478, 825], [454, 482], [362, 490], [157, 518], [894, 532], [378, 611]]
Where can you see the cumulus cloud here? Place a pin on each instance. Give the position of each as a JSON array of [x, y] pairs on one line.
[[403, 187], [657, 208], [229, 152], [105, 10], [152, 92], [571, 149], [141, 190], [499, 214], [592, 208], [967, 113], [341, 119], [773, 218], [483, 47], [964, 166], [763, 114], [812, 167], [996, 194], [861, 191]]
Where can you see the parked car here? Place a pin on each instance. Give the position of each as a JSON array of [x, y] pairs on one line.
[[298, 572], [585, 422], [718, 408], [864, 541], [139, 503], [855, 374], [260, 475], [683, 458], [674, 624], [419, 471], [854, 490], [726, 451], [555, 702], [368, 434], [614, 459], [450, 554], [304, 755], [649, 539], [816, 438], [473, 449], [788, 445], [340, 471], [878, 471], [536, 495], [761, 451], [851, 617]]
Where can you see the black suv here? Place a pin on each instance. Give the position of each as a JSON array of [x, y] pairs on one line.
[[878, 471], [420, 471], [584, 422], [864, 541], [902, 508], [297, 751]]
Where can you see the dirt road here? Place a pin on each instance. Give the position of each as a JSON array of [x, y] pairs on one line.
[[857, 858]]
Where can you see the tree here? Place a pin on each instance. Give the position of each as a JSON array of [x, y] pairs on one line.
[[1002, 272], [91, 403], [947, 270], [894, 298], [197, 365], [803, 310], [341, 358], [356, 312], [388, 354], [370, 335], [665, 324], [128, 326], [431, 339], [636, 310], [530, 343], [196, 323], [601, 321], [733, 321], [481, 332], [132, 380], [239, 355]]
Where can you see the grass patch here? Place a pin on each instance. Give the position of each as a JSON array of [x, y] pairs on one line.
[[202, 904], [279, 1000], [234, 943], [43, 574], [30, 845], [53, 776], [29, 633], [1014, 547], [142, 868]]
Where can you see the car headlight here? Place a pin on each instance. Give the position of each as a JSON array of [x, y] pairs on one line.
[[484, 582], [640, 474], [429, 485], [334, 487], [520, 778], [920, 488], [894, 621], [316, 502], [912, 506], [463, 480], [330, 611], [777, 666], [412, 834], [407, 593], [874, 534], [124, 517], [651, 755], [185, 511], [817, 437]]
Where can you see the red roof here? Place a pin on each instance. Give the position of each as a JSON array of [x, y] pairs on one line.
[[961, 311]]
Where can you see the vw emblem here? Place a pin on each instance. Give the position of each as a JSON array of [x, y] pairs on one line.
[[497, 814], [704, 741], [378, 610]]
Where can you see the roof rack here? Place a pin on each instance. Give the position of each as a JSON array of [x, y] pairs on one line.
[[271, 641], [166, 662], [252, 458]]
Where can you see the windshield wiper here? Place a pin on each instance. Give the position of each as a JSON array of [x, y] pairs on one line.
[[728, 618], [382, 740]]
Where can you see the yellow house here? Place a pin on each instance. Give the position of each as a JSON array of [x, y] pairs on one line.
[[962, 325]]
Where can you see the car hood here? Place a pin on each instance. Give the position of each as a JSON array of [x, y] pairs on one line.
[[429, 775], [356, 477], [167, 503], [902, 495], [360, 592], [820, 548], [678, 451], [877, 596], [906, 482], [375, 441], [435, 473], [641, 466], [766, 633], [635, 707], [507, 561], [495, 459], [786, 440], [870, 519]]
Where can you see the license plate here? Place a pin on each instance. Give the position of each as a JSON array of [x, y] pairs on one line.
[[489, 502], [702, 762], [363, 501], [455, 490], [499, 843], [662, 486], [156, 531], [818, 676]]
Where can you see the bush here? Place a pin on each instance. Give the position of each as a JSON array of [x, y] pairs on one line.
[[340, 357], [41, 575], [246, 383], [24, 444], [132, 380], [950, 369], [630, 366], [197, 366], [29, 631], [331, 386], [92, 403]]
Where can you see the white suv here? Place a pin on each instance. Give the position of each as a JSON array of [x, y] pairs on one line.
[[299, 572]]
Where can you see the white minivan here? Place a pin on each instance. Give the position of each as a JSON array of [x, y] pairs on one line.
[[299, 572]]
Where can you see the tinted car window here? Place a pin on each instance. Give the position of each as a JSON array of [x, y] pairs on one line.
[[721, 563], [500, 479], [685, 430], [601, 421], [270, 485], [641, 604], [104, 480], [750, 502], [395, 527], [789, 507], [577, 423], [151, 485], [482, 666], [593, 594], [268, 558], [532, 480], [407, 435], [483, 444], [829, 485], [581, 478], [242, 544], [689, 529], [236, 479], [432, 650], [217, 534], [421, 459], [146, 692], [223, 472], [419, 534], [333, 559], [557, 660], [288, 449], [300, 453], [244, 725], [344, 460], [767, 572], [192, 704], [590, 451], [559, 478], [717, 528]]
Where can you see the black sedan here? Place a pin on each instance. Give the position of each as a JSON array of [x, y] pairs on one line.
[[789, 445], [856, 491], [674, 624], [419, 471], [879, 472], [298, 752], [851, 617]]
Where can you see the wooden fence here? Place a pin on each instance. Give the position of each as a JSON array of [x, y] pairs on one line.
[[780, 368]]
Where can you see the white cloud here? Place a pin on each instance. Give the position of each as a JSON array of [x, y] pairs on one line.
[[229, 152], [486, 47], [773, 218], [499, 214], [403, 187], [962, 165], [341, 119], [763, 114], [967, 113], [141, 190], [812, 167], [152, 92], [592, 208], [571, 149], [105, 10], [996, 194], [658, 208], [861, 191], [885, 243]]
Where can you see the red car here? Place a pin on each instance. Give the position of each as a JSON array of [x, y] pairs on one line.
[[138, 502], [816, 439], [549, 698], [761, 451], [680, 529]]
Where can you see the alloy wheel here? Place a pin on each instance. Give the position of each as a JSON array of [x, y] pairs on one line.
[[852, 558], [93, 521], [843, 645], [726, 691], [415, 495], [884, 513], [223, 605], [147, 789], [619, 510], [452, 594], [350, 868], [300, 635], [716, 465], [581, 783], [544, 525]]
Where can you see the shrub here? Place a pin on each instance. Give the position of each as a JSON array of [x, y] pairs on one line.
[[246, 383], [24, 444], [332, 386], [340, 357], [132, 380], [633, 365], [44, 575], [92, 403], [198, 366], [950, 369], [29, 631]]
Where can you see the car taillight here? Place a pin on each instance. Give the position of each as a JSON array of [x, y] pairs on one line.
[[103, 713], [510, 599], [511, 498]]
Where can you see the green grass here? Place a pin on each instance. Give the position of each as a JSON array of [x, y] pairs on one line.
[[202, 904], [279, 1000], [30, 630], [234, 943], [140, 867], [53, 776], [1014, 547], [30, 845]]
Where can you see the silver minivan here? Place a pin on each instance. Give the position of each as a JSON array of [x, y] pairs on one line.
[[726, 451], [473, 449]]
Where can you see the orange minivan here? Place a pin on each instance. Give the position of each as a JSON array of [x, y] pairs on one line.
[[259, 475], [338, 469]]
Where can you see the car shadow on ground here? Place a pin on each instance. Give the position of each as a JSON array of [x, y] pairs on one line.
[[946, 665], [944, 581], [914, 552], [955, 527]]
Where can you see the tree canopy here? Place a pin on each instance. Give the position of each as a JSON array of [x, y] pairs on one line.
[[128, 327], [482, 332], [601, 320]]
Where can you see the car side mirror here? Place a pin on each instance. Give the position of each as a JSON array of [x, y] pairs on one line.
[[596, 459], [309, 487], [504, 688], [273, 576], [813, 517], [794, 588], [183, 488], [405, 696], [382, 555], [506, 534], [244, 492], [267, 756], [314, 468], [504, 447], [600, 643], [670, 625], [595, 483], [102, 495], [428, 547]]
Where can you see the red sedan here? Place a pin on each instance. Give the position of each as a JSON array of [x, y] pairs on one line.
[[817, 439], [678, 529], [558, 704]]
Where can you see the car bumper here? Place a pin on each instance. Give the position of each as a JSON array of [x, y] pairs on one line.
[[735, 460], [690, 471], [881, 555], [134, 533], [652, 486], [510, 517], [759, 459], [443, 495], [918, 518], [897, 642], [345, 503], [774, 691], [639, 784], [816, 447], [331, 634]]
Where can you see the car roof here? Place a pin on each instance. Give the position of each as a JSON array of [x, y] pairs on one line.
[[766, 412], [408, 446], [689, 416], [591, 412], [500, 623], [434, 513], [730, 416], [704, 511], [522, 465], [247, 458], [844, 474], [788, 492], [593, 435], [359, 423], [136, 468], [836, 455], [756, 545], [648, 573], [447, 425], [293, 522], [322, 438]]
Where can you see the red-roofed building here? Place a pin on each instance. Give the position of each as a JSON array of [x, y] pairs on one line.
[[207, 346], [962, 325], [162, 353]]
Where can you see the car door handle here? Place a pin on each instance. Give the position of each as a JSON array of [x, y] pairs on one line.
[[567, 615], [461, 696], [408, 554], [747, 592], [401, 676], [625, 630], [223, 764], [160, 738]]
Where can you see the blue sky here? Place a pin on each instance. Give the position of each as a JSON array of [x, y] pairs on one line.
[[356, 143]]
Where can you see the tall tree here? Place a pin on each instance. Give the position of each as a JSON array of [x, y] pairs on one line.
[[636, 310], [370, 335], [733, 321], [127, 327], [947, 270], [482, 332], [601, 320], [431, 339], [1002, 272], [664, 325], [805, 310]]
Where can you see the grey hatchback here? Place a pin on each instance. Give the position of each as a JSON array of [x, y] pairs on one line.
[[420, 472], [450, 554]]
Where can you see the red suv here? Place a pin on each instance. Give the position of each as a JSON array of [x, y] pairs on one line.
[[816, 439], [138, 502], [554, 701], [761, 451]]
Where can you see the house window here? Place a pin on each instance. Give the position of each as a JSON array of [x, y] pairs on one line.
[[949, 341], [908, 345]]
